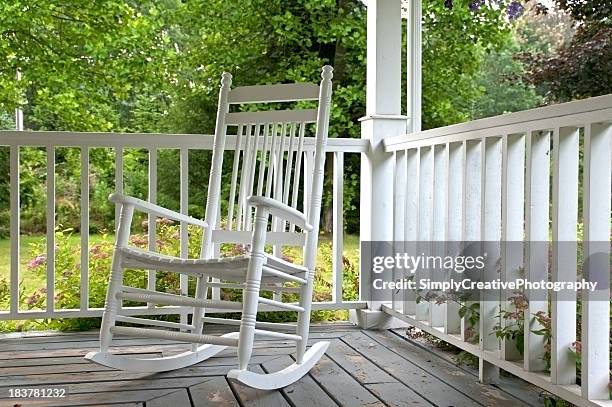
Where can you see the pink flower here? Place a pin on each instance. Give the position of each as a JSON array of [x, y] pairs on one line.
[[37, 261], [33, 299], [139, 240]]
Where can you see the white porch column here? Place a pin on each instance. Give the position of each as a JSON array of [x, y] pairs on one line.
[[383, 119]]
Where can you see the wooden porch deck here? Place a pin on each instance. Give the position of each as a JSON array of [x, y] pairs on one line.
[[361, 368]]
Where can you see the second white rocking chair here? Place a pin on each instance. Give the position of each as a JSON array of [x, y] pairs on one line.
[[266, 174]]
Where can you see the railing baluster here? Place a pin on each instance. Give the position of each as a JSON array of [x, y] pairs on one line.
[[184, 207], [15, 229], [50, 228], [437, 311], [472, 195], [399, 213], [338, 228], [152, 229], [491, 235], [454, 210], [118, 180], [426, 172], [411, 219], [564, 259], [84, 228], [536, 236], [596, 305], [513, 211]]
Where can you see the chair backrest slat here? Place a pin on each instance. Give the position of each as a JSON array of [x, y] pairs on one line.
[[270, 162], [264, 156], [288, 169], [272, 116], [235, 165], [278, 165], [298, 169], [252, 168], [289, 92]]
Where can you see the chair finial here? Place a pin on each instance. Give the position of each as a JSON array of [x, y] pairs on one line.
[[226, 79], [327, 72]]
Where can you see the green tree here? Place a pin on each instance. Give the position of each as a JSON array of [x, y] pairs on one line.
[[502, 86], [154, 66], [583, 66], [455, 41], [79, 60]]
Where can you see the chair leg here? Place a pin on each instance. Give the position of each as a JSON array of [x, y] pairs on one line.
[[249, 310], [112, 303], [250, 294], [111, 307], [198, 313], [303, 322], [247, 336]]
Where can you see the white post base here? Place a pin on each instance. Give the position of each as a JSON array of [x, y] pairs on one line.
[[370, 319]]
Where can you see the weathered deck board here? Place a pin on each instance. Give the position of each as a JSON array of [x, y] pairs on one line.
[[527, 394], [419, 380], [258, 398], [341, 386], [361, 368], [179, 398], [214, 392], [445, 371], [305, 393], [396, 394]]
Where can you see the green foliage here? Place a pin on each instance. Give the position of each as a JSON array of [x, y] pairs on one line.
[[582, 67], [471, 312], [155, 66], [467, 359], [513, 318], [79, 60], [454, 43], [503, 89]]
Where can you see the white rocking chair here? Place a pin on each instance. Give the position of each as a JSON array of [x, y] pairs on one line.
[[269, 147]]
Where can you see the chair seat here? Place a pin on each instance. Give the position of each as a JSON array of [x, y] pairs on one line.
[[224, 268]]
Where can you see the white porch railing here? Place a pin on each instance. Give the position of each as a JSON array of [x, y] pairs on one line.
[[153, 142], [489, 180]]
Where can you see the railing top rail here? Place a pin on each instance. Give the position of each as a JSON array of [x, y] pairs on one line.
[[150, 140], [507, 123]]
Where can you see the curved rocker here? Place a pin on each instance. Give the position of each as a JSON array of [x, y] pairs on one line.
[[282, 378], [162, 364]]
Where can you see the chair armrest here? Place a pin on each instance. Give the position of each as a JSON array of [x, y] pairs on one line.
[[281, 210], [155, 209]]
